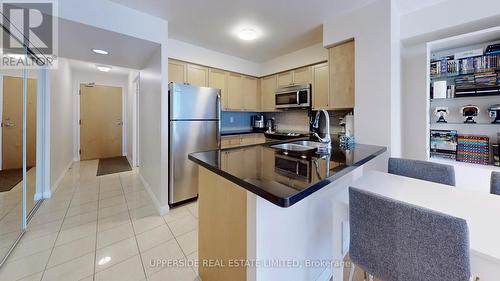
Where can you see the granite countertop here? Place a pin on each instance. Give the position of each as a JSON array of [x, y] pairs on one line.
[[284, 177]]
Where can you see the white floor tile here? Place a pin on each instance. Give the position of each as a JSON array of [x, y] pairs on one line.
[[169, 250], [153, 237], [176, 213], [14, 270], [128, 270], [113, 221], [72, 250], [183, 225], [174, 274], [75, 233], [73, 270], [113, 235], [188, 242], [115, 253], [33, 246]]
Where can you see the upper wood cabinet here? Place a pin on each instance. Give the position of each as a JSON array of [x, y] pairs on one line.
[[251, 94], [197, 75], [285, 79], [176, 71], [320, 86], [235, 92], [218, 79], [302, 75], [268, 87], [341, 61]]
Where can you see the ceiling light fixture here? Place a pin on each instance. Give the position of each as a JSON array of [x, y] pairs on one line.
[[103, 68], [247, 34], [100, 51], [104, 260]]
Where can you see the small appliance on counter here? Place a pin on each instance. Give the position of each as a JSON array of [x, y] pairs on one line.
[[441, 112], [494, 112], [469, 112], [258, 122], [271, 126]]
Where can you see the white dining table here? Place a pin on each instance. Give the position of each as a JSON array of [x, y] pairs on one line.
[[480, 210]]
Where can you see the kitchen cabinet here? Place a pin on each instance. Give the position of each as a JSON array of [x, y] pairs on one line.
[[251, 94], [242, 140], [302, 75], [176, 71], [268, 87], [320, 86], [197, 75], [341, 61], [218, 79], [235, 92], [285, 79]]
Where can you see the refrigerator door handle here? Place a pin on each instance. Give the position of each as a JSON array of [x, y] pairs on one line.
[[219, 120]]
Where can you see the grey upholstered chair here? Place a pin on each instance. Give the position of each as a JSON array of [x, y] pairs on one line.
[[495, 183], [396, 241], [423, 170]]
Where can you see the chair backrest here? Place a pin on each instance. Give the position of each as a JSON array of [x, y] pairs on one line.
[[423, 170], [495, 183], [396, 241]]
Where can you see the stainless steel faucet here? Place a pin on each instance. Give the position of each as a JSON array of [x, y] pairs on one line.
[[326, 139]]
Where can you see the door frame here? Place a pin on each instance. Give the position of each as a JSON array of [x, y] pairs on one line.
[[76, 122], [135, 123]]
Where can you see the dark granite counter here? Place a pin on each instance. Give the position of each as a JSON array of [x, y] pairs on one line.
[[280, 176]]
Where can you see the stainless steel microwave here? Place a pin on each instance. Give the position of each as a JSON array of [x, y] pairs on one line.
[[296, 96]]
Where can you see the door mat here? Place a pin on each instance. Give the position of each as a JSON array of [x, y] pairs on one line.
[[113, 165], [10, 178]]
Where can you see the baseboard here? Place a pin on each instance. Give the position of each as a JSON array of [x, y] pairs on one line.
[[162, 210], [53, 188], [326, 275]]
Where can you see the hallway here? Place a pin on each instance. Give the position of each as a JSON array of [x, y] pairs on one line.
[[104, 228]]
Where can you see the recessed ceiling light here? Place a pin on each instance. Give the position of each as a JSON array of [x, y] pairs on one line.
[[247, 34], [104, 260], [100, 52], [103, 68]]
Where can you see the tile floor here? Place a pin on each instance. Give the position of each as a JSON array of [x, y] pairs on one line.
[[104, 228]]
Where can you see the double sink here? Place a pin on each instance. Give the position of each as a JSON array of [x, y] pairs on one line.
[[302, 146]]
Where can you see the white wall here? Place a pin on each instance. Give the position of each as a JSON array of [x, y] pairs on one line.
[[61, 121], [187, 52], [99, 78], [448, 15], [131, 114], [376, 83], [310, 55], [150, 130]]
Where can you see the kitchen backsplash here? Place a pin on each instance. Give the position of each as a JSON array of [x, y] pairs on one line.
[[291, 120], [298, 120], [236, 121]]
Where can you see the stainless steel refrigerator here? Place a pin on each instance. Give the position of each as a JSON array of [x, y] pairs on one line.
[[194, 125]]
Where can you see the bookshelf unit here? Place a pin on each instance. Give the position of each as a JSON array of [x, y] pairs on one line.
[[460, 73]]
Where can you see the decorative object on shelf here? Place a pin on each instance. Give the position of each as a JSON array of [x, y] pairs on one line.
[[493, 49], [444, 144], [494, 112], [473, 149], [496, 154], [441, 112], [450, 92], [439, 90], [469, 112]]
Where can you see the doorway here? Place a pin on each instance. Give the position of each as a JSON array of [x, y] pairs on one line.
[[12, 123], [101, 122]]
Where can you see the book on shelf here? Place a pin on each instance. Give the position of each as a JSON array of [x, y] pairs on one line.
[[470, 65]]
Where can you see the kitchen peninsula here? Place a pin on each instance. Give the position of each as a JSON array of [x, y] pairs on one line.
[[265, 211]]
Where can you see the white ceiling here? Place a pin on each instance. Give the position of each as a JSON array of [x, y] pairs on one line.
[[286, 25], [77, 40], [408, 6]]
